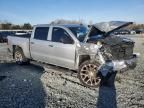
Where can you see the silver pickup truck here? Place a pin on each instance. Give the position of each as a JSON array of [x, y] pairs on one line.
[[92, 51]]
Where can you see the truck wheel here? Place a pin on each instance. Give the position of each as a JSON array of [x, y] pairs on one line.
[[19, 57], [88, 74]]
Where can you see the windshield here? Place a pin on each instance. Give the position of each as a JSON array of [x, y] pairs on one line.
[[80, 32]]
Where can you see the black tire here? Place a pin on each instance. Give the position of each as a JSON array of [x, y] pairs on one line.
[[20, 57], [88, 74]]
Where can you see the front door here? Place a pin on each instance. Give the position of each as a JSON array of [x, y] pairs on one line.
[[63, 53]]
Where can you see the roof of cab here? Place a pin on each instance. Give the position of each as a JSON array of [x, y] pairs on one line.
[[64, 25]]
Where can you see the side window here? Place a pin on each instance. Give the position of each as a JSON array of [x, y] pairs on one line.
[[41, 33], [60, 35]]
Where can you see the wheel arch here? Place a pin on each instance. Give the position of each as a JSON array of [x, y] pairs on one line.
[[83, 58], [95, 73]]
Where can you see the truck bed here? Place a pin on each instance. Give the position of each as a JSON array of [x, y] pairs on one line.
[[23, 36], [21, 41]]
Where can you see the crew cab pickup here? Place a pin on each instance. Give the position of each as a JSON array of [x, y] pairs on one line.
[[91, 51]]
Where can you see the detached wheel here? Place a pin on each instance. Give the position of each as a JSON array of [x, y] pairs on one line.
[[19, 57], [88, 74]]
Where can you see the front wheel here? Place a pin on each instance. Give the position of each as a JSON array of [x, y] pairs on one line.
[[88, 74]]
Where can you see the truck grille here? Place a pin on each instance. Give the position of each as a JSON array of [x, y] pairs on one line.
[[124, 51]]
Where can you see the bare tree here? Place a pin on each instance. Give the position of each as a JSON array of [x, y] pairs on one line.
[[16, 27], [26, 26], [6, 26], [62, 21]]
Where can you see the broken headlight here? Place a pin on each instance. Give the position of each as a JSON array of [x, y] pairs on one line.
[[106, 53]]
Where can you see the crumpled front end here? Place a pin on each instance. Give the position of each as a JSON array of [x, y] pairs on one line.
[[114, 53], [107, 65], [119, 65]]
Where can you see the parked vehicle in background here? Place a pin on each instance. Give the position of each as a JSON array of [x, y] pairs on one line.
[[140, 31], [93, 53], [132, 32], [122, 32], [4, 34], [21, 32]]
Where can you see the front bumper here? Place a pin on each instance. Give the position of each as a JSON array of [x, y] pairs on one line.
[[119, 65], [124, 65]]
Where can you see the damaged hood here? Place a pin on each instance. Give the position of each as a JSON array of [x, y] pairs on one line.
[[106, 28], [102, 31]]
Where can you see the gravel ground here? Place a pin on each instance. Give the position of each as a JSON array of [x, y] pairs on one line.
[[44, 86]]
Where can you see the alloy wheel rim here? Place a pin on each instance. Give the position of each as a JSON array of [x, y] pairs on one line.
[[89, 76], [18, 57]]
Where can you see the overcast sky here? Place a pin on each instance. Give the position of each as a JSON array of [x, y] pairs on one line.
[[45, 11]]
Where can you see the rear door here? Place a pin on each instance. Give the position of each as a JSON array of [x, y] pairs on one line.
[[63, 48], [39, 44]]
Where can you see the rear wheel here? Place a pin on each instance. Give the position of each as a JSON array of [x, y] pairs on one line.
[[88, 74], [19, 57]]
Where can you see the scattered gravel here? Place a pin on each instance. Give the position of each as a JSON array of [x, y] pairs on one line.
[[44, 86]]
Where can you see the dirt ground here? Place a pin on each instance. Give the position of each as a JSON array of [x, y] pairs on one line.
[[44, 86]]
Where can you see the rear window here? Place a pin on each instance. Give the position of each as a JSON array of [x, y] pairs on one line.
[[41, 33]]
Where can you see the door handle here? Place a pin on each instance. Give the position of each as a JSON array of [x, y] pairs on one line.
[[50, 45], [32, 42]]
